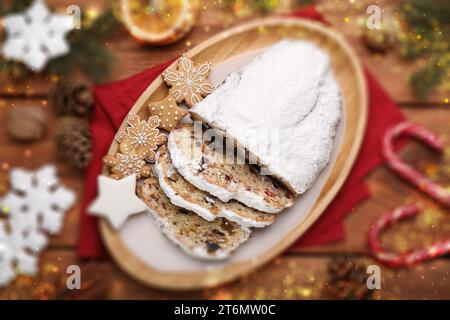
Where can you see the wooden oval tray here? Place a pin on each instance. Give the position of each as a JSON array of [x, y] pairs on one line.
[[224, 46]]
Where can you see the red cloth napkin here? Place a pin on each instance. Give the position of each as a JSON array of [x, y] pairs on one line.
[[113, 101]]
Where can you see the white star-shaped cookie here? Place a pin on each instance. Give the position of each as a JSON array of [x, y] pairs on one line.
[[117, 200]]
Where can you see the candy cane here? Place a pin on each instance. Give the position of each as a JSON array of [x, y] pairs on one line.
[[405, 171], [407, 259], [401, 213]]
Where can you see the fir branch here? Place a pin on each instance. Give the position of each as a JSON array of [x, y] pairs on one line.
[[265, 6], [305, 2], [427, 34], [427, 78], [19, 5], [104, 26], [419, 12], [92, 56], [88, 50], [61, 66], [428, 24], [13, 69]]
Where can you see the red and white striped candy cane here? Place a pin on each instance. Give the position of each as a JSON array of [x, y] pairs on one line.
[[401, 213], [407, 259], [407, 172]]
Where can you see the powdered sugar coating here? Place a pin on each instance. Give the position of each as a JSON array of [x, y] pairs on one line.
[[284, 108]]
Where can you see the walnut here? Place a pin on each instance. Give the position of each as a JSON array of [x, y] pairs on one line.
[[26, 123]]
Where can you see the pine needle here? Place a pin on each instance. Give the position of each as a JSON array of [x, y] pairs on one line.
[[104, 26], [428, 34], [427, 78]]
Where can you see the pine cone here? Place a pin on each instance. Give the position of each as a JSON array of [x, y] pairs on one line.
[[71, 97], [347, 279], [74, 142]]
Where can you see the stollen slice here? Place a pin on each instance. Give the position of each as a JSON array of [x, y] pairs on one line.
[[209, 240], [209, 171], [183, 194]]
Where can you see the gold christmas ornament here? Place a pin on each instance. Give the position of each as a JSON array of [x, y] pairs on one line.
[[158, 22]]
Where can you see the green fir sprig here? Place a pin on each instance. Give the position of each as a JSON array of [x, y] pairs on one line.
[[267, 6], [88, 52], [427, 35]]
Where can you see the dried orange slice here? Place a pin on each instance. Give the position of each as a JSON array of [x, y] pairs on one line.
[[159, 21]]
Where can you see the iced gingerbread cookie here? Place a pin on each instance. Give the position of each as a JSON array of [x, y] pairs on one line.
[[168, 112], [201, 166], [183, 194], [189, 82], [210, 240], [128, 161], [142, 135]]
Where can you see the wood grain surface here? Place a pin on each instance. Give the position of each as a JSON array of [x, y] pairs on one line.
[[295, 275]]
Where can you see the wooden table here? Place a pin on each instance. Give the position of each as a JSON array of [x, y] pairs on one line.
[[297, 275]]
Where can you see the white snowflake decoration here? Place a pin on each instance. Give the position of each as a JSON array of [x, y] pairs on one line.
[[18, 249], [37, 199], [36, 204], [36, 36]]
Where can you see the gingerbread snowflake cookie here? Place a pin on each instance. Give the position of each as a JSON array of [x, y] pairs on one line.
[[189, 82], [128, 161], [142, 134], [168, 112]]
